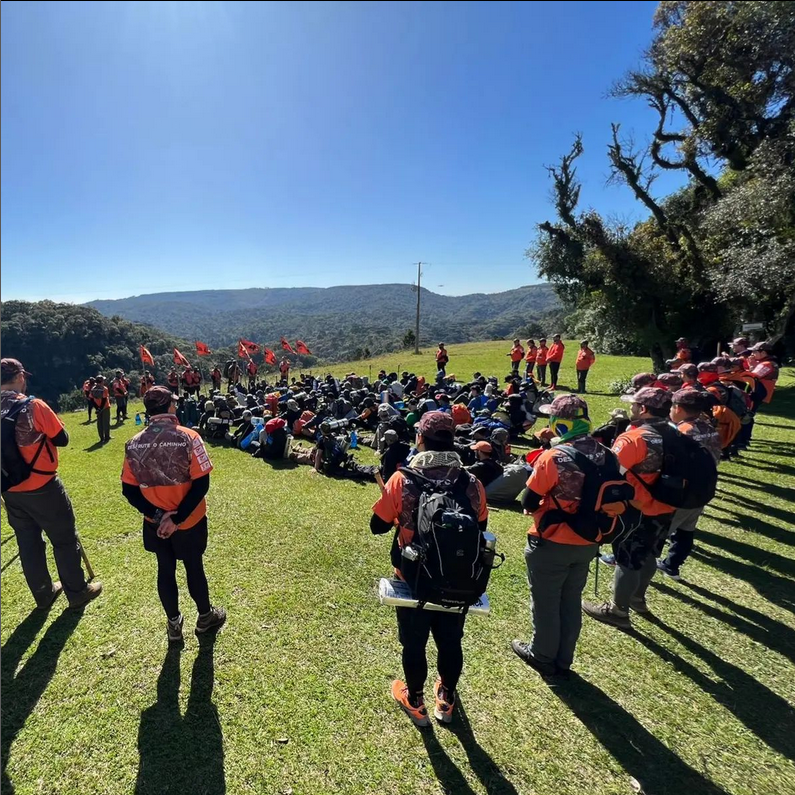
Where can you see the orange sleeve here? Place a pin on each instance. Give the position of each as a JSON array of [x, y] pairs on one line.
[[127, 475], [544, 477], [200, 464], [629, 450], [391, 500], [483, 512], [45, 419]]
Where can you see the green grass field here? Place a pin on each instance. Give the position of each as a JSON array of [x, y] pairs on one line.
[[293, 696]]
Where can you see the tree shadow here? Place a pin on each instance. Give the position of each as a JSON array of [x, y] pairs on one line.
[[762, 629], [766, 488], [773, 447], [775, 589], [756, 555], [749, 523], [659, 770], [182, 754], [764, 712], [740, 501], [767, 466], [21, 692]]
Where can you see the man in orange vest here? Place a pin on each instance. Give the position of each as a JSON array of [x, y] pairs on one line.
[[541, 360], [442, 359], [35, 498], [121, 388], [88, 385], [530, 358], [215, 375], [284, 369], [251, 369], [554, 358], [585, 360], [516, 354]]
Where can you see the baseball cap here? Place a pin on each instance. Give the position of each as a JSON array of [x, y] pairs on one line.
[[481, 447], [158, 398], [707, 367], [436, 425], [723, 363], [650, 396], [740, 341], [690, 398], [566, 407], [480, 430], [640, 380], [390, 436], [670, 380], [11, 368], [689, 370], [762, 346]]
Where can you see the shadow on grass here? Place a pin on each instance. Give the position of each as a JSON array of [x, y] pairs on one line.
[[749, 552], [94, 447], [764, 712], [758, 627], [741, 503], [750, 523], [21, 692], [768, 466], [658, 769], [9, 562], [182, 754], [777, 590], [483, 766], [745, 484]]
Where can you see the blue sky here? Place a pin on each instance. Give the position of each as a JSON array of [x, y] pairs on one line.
[[176, 145]]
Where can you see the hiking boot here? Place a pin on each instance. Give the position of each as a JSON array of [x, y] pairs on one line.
[[46, 603], [638, 604], [522, 650], [445, 702], [608, 614], [416, 711], [174, 629], [668, 571], [212, 619], [92, 591], [608, 560]]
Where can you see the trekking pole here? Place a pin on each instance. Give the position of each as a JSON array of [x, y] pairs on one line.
[[85, 559], [596, 575]]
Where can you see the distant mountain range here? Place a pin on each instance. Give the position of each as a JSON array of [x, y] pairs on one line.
[[336, 322]]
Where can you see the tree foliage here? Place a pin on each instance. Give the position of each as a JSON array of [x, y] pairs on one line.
[[721, 76]]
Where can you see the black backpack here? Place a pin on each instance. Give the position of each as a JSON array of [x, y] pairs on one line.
[[603, 513], [452, 564], [15, 469], [688, 476]]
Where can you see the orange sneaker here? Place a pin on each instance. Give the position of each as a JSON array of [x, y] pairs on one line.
[[445, 703], [418, 714]]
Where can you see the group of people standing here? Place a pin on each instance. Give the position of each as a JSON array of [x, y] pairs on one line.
[[537, 358]]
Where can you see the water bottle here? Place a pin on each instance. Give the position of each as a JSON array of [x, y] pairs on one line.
[[489, 549], [354, 440], [138, 419]]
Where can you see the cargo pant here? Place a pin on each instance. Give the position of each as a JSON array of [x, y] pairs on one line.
[[47, 509], [557, 574], [103, 424], [636, 559], [683, 528]]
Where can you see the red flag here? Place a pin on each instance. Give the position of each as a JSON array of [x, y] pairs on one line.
[[146, 357], [242, 353], [270, 357], [251, 347], [202, 349], [300, 346], [180, 359], [286, 345]]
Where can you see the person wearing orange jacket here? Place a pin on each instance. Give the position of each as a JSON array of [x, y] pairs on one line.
[[585, 359], [764, 370], [35, 498], [640, 455], [516, 354], [541, 360], [530, 358], [554, 358], [100, 397], [88, 385], [121, 390], [442, 358]]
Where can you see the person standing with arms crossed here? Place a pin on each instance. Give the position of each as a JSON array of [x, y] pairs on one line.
[[554, 358], [166, 476], [541, 360], [37, 501], [100, 397], [530, 358], [516, 354]]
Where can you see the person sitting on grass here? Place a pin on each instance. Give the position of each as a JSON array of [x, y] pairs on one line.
[[436, 462], [485, 469], [394, 454]]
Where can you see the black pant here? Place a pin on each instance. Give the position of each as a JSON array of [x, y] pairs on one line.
[[167, 580], [441, 366], [414, 626], [528, 371], [553, 372], [581, 376], [542, 374], [515, 368], [103, 424], [90, 404], [681, 545], [121, 408]]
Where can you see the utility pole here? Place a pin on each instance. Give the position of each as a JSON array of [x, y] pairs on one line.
[[417, 325]]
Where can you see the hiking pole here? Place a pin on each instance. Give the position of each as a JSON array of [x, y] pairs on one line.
[[596, 575], [85, 558]]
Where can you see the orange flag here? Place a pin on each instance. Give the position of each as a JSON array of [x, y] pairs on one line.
[[202, 349], [251, 347], [146, 357], [300, 346], [286, 345], [270, 357], [180, 359]]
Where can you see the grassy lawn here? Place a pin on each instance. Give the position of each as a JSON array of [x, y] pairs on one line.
[[293, 695]]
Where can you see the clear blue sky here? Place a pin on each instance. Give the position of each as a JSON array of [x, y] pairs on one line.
[[176, 145]]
